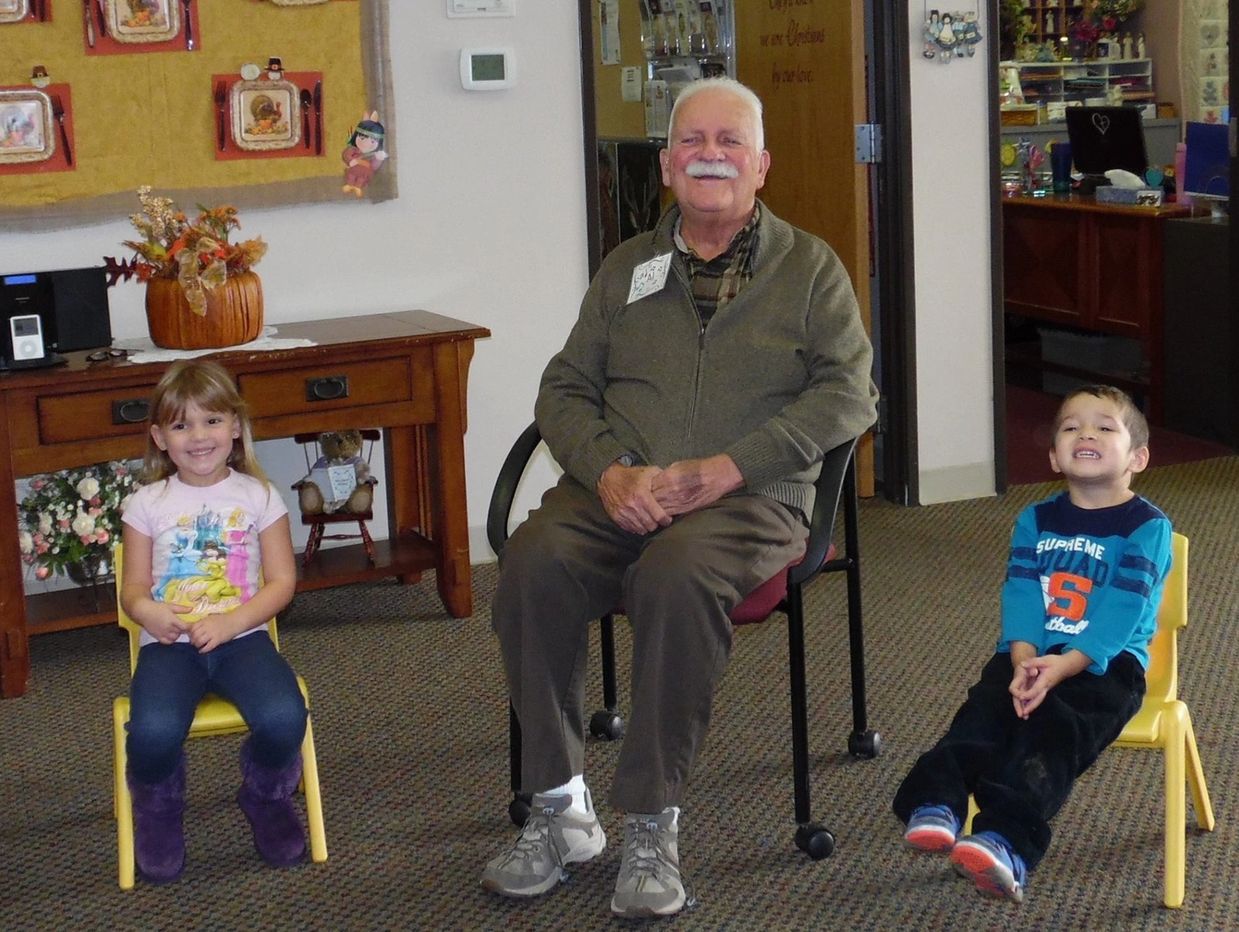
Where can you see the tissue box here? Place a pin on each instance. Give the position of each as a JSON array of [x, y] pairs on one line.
[[1136, 197]]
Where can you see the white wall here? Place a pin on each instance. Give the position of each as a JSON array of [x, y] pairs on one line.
[[954, 355], [489, 226]]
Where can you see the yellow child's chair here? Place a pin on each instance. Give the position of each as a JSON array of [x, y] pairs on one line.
[[1164, 722], [214, 716]]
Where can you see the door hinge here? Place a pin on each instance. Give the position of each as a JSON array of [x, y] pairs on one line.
[[869, 143]]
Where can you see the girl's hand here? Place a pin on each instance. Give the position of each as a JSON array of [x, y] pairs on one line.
[[163, 622], [210, 631]]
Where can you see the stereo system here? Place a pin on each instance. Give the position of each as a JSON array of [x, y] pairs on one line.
[[44, 314]]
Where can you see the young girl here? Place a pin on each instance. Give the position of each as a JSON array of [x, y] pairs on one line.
[[204, 612]]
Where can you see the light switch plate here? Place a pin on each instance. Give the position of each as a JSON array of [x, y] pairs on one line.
[[467, 8]]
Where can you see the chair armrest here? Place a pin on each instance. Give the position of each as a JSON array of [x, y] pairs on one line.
[[836, 469], [506, 484]]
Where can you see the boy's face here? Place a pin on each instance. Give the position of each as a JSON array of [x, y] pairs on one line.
[[1092, 445]]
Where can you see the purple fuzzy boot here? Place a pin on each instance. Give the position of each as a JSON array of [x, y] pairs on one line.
[[265, 798], [158, 833]]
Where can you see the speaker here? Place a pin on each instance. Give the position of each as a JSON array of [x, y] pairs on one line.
[[80, 317]]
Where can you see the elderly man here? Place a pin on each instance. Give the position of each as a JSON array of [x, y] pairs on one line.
[[714, 361]]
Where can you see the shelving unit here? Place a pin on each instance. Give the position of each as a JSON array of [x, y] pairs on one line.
[[1050, 19], [1065, 81]]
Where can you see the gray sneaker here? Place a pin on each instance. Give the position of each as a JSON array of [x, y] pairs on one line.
[[552, 837], [649, 881]]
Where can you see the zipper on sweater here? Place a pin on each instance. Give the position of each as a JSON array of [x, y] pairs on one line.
[[701, 343]]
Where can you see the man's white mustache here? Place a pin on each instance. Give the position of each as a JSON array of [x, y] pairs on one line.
[[700, 169]]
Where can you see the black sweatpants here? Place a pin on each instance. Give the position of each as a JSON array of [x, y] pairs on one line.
[[1020, 771]]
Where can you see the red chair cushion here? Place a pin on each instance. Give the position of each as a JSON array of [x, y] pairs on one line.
[[763, 600], [758, 604]]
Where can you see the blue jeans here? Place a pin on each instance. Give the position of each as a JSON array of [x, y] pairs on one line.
[[248, 671]]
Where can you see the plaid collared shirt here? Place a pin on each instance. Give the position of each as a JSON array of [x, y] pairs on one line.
[[717, 281]]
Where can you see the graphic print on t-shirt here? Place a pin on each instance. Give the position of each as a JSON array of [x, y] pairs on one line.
[[208, 561]]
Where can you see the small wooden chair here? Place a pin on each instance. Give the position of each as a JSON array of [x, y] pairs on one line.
[[214, 716], [318, 523]]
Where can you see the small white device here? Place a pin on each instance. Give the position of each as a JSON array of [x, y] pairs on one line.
[[488, 69], [26, 331], [458, 8]]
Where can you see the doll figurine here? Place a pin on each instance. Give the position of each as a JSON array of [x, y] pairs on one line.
[[364, 154]]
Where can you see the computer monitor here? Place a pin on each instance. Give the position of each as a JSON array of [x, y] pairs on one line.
[[1206, 168], [1103, 138]]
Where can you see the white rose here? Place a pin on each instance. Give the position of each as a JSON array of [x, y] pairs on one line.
[[26, 542], [88, 488], [45, 523], [83, 524]]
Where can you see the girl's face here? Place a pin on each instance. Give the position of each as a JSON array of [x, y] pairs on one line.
[[199, 444], [366, 143]]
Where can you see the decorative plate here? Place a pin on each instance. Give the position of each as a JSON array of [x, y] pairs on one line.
[[265, 114], [26, 132], [14, 11], [134, 21]]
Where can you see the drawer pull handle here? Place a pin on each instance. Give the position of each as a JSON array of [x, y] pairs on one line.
[[327, 388], [130, 411]]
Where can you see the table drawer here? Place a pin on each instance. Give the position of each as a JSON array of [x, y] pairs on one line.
[[93, 415], [326, 387]]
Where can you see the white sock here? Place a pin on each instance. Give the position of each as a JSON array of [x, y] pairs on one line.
[[582, 804]]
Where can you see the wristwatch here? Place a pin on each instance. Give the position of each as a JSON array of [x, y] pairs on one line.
[[626, 459]]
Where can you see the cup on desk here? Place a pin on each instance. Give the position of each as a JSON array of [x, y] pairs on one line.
[[1060, 167]]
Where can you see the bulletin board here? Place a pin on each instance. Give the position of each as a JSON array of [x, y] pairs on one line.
[[131, 112]]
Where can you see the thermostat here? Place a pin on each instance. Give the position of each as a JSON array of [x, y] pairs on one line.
[[487, 69]]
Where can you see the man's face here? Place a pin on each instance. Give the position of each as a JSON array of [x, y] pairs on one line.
[[711, 162]]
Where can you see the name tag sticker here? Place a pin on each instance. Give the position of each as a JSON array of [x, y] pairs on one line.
[[649, 277]]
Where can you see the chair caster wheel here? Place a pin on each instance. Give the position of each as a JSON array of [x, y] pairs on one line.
[[867, 744], [606, 725], [519, 809], [815, 841]]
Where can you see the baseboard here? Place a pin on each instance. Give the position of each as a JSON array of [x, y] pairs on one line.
[[956, 483]]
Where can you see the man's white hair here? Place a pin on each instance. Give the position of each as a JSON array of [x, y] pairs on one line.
[[731, 85]]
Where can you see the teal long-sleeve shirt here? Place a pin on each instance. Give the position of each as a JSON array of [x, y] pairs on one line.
[[1086, 579]]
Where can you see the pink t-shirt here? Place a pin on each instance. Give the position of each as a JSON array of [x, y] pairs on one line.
[[205, 551]]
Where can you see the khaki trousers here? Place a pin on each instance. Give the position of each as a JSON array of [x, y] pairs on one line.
[[567, 565]]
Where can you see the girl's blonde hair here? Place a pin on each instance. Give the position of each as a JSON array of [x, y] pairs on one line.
[[210, 386]]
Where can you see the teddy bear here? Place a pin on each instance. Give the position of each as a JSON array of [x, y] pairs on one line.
[[340, 480]]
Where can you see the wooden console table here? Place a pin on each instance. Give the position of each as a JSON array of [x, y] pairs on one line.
[[1097, 267], [405, 372]]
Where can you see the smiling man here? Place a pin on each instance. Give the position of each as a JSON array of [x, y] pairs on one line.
[[715, 360]]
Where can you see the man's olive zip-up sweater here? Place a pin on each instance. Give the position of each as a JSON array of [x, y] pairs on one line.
[[780, 375]]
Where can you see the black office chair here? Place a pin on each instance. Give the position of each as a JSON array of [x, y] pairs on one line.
[[783, 592]]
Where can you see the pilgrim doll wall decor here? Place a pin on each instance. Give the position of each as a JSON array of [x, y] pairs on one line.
[[364, 154]]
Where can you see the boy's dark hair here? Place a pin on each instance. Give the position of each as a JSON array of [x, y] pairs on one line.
[[1132, 416]]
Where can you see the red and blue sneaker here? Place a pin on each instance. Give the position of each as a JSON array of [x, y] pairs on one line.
[[992, 864]]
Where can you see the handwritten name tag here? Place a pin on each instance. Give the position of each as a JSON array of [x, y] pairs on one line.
[[649, 277]]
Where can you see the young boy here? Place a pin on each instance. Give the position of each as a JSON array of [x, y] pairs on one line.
[[1079, 606]]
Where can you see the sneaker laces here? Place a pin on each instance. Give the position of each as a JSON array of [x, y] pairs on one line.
[[535, 834], [646, 857]]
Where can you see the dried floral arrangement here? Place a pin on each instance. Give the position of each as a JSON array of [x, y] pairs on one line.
[[197, 254]]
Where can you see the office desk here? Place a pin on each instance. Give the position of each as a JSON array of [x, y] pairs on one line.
[[405, 372], [1097, 267]]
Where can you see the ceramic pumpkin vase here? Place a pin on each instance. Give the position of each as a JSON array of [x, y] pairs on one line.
[[233, 313]]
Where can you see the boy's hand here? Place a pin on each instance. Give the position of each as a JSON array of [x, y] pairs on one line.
[[210, 631], [1035, 677]]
